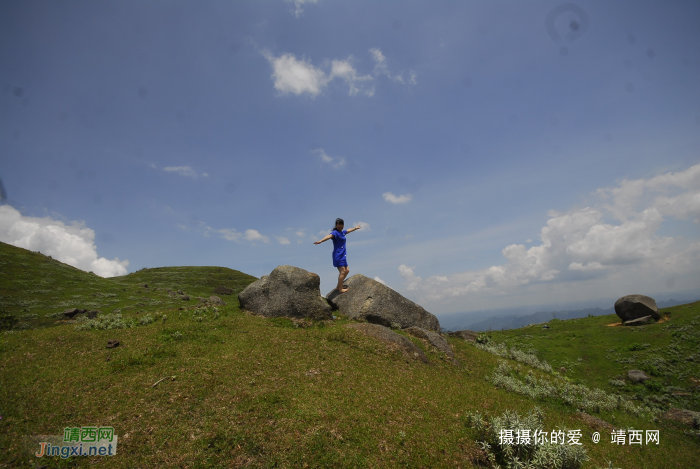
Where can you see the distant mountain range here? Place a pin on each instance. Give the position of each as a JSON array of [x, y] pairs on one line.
[[500, 321]]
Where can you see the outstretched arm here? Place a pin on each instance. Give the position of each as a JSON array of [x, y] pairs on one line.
[[328, 236], [353, 229]]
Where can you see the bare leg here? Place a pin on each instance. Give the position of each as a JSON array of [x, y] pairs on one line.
[[344, 270]]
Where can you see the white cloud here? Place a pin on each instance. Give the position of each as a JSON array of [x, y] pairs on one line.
[[254, 235], [282, 239], [381, 68], [380, 280], [183, 171], [300, 76], [296, 76], [337, 162], [401, 199], [364, 226], [672, 194], [71, 244], [231, 234], [580, 246], [412, 280], [344, 70], [298, 3]]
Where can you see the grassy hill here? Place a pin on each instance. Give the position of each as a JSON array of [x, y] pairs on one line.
[[245, 391]]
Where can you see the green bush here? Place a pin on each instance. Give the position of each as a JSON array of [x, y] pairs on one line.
[[7, 321]]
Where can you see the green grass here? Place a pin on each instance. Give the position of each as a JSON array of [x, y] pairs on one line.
[[253, 392], [597, 355]]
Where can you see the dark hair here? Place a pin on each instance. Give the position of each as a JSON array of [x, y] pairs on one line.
[[338, 220]]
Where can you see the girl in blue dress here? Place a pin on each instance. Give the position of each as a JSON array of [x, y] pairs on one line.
[[339, 259]]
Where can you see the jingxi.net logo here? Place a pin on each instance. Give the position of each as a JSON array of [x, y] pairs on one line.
[[79, 441]]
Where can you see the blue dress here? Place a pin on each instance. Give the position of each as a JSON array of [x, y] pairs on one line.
[[339, 253]]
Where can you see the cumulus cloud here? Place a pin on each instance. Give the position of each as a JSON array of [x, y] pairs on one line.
[[231, 234], [581, 245], [394, 199], [282, 239], [296, 76], [300, 76], [254, 235], [183, 171], [298, 5], [363, 225], [336, 162], [71, 244], [380, 280]]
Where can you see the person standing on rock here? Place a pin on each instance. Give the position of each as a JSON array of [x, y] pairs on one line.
[[339, 253]]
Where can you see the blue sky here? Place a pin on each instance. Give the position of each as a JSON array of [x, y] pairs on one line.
[[496, 153]]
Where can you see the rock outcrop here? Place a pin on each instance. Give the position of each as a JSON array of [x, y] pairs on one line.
[[371, 301], [288, 291], [639, 321], [433, 338], [72, 312], [684, 416], [636, 306], [465, 334], [392, 339]]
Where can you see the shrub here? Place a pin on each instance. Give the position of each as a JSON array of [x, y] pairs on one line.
[[575, 395], [103, 322], [145, 320], [7, 321], [523, 453], [515, 354], [617, 382]]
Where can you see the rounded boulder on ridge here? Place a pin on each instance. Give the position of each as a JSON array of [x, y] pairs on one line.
[[371, 301], [288, 291], [636, 306]]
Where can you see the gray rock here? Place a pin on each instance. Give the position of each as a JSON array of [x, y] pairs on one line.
[[373, 302], [93, 313], [180, 292], [215, 300], [637, 376], [185, 297], [288, 291], [465, 334], [72, 312], [391, 338], [636, 306], [684, 416], [435, 339], [639, 321]]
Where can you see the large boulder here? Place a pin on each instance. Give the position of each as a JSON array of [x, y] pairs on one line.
[[288, 291], [374, 302], [391, 338], [636, 306]]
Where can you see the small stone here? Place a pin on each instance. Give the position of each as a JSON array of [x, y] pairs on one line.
[[562, 370], [185, 297], [179, 292], [637, 376], [112, 343], [639, 321]]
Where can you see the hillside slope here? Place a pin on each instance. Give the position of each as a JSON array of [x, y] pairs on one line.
[[246, 391]]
